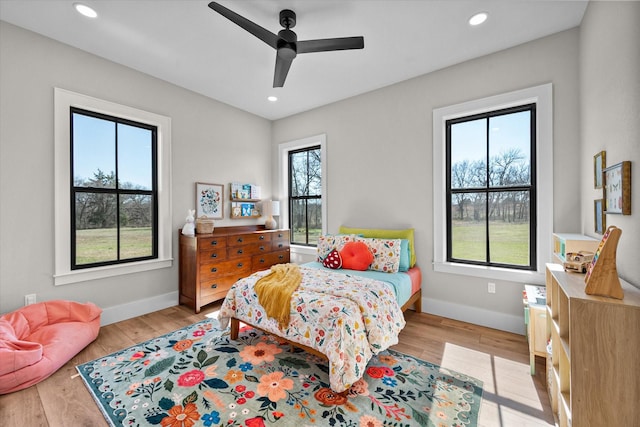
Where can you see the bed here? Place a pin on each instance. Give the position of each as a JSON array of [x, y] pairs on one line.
[[343, 315]]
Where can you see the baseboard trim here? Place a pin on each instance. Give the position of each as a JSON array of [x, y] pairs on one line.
[[138, 308], [478, 316]]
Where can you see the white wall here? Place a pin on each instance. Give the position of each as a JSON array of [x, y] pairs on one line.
[[379, 148], [212, 142], [610, 115]]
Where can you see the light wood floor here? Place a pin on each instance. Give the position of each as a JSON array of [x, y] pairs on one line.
[[512, 397]]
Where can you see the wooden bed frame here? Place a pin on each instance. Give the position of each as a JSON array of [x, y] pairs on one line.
[[416, 299]]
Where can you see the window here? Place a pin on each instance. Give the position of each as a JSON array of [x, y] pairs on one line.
[[493, 176], [112, 189], [490, 188], [305, 195], [303, 189]]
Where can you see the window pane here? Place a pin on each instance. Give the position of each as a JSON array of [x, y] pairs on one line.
[[136, 233], [315, 173], [93, 152], [509, 149], [468, 226], [509, 227], [314, 209], [306, 175], [298, 222], [469, 154], [96, 233], [134, 157]]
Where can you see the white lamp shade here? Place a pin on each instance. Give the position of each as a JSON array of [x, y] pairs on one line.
[[275, 208]]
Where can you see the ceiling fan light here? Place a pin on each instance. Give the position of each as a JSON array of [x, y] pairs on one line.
[[85, 10], [272, 98], [478, 18]]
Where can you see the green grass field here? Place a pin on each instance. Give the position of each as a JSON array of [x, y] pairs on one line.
[[314, 233], [100, 245], [509, 241]]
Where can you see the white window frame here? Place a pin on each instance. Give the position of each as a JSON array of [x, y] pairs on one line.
[[542, 96], [283, 182], [63, 100]]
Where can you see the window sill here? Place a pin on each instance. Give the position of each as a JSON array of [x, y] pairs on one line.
[[496, 273], [76, 276], [303, 250]]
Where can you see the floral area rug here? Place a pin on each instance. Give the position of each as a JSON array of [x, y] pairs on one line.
[[197, 376]]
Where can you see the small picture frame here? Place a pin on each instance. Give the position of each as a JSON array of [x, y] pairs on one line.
[[599, 219], [617, 188], [599, 163], [209, 200]]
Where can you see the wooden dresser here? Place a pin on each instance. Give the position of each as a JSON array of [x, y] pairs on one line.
[[211, 263]]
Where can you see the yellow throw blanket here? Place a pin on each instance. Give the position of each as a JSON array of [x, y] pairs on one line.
[[275, 289]]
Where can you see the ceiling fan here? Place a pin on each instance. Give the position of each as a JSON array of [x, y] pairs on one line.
[[286, 41]]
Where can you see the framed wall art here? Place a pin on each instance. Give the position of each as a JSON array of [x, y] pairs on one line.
[[599, 162], [599, 219], [617, 188], [209, 200]]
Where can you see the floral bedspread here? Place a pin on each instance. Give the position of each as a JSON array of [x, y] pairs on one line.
[[347, 318]]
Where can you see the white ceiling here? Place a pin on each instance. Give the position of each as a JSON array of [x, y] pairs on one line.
[[186, 43]]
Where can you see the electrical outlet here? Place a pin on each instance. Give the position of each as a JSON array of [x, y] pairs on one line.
[[29, 299], [491, 288]]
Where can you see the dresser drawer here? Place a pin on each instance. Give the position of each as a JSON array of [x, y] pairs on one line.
[[212, 242], [240, 267], [246, 239], [210, 255], [262, 262], [280, 240], [218, 287], [248, 250]]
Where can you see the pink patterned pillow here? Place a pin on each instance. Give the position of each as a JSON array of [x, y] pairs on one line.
[[386, 254]]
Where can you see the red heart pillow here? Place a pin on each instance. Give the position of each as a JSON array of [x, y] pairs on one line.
[[356, 256], [333, 260]]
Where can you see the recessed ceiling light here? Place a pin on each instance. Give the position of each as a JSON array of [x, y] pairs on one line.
[[85, 10], [272, 98], [478, 18]]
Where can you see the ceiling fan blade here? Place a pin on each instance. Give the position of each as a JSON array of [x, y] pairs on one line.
[[324, 45], [262, 33], [282, 69]]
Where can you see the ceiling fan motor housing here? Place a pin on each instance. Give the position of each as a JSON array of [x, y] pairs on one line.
[[287, 44]]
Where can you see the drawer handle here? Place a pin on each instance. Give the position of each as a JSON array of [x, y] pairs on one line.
[[214, 269], [280, 235], [261, 237], [214, 242], [215, 285], [239, 240], [280, 245], [280, 256], [261, 260], [214, 255], [240, 265], [262, 248], [239, 252]]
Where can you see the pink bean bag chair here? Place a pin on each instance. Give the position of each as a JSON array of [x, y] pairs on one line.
[[38, 339]]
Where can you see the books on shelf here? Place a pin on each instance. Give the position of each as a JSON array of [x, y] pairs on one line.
[[245, 191]]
